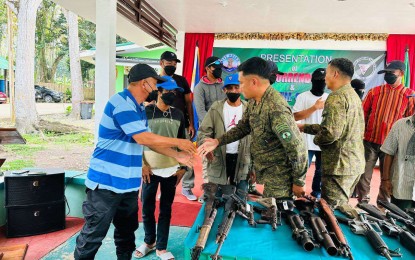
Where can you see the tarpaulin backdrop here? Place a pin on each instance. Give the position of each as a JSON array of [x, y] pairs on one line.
[[299, 64]]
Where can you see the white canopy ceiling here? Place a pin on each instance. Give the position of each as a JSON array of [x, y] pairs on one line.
[[310, 16]]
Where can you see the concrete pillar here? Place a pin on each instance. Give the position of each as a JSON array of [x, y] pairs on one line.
[[180, 52], [106, 21]]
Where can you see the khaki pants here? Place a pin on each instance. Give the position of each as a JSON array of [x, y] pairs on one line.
[[372, 154]]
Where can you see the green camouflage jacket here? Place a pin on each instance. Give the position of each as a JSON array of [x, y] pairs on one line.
[[340, 134], [276, 140]]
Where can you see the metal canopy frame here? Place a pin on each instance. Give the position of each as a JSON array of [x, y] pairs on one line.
[[149, 20]]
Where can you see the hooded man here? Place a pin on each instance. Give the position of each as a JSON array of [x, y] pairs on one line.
[[209, 88], [309, 108], [206, 92], [359, 87]]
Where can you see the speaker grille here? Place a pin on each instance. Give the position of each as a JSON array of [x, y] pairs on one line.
[[35, 219], [26, 190]]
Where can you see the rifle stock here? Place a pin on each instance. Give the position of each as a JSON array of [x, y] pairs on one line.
[[330, 219], [211, 205]]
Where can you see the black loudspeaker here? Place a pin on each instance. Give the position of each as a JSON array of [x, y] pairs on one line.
[[35, 202]]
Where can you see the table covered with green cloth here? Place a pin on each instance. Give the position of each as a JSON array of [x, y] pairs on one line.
[[246, 242]]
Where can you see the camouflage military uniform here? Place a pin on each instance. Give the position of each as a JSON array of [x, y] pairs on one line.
[[278, 153], [340, 137]]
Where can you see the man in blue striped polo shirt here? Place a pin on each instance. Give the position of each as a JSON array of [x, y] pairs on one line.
[[114, 175]]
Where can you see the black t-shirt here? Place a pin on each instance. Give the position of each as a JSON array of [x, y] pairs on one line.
[[180, 101]]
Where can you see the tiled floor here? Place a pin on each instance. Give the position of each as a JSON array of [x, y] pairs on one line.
[[107, 249], [184, 213], [40, 245]]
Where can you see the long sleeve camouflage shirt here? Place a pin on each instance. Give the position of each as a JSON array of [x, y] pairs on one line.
[[276, 140], [340, 134]]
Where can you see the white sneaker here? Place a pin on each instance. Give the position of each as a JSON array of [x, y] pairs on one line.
[[189, 194]]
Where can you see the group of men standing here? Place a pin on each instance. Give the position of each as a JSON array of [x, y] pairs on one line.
[[243, 141], [345, 136]]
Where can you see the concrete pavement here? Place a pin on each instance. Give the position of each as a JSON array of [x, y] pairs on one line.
[[42, 109]]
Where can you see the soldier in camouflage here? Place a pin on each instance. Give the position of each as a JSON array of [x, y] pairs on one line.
[[278, 153], [340, 135]]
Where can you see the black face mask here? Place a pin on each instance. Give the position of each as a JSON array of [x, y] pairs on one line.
[[170, 70], [168, 98], [233, 96], [272, 78], [390, 78], [360, 93], [152, 95], [317, 88], [217, 73]]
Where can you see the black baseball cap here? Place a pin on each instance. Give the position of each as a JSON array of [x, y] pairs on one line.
[[394, 65], [318, 74], [213, 61], [273, 67], [169, 56], [142, 71]]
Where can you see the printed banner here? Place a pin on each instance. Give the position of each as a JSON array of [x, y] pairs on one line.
[[298, 65]]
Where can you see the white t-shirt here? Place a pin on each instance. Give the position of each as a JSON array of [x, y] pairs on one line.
[[232, 115], [304, 101]]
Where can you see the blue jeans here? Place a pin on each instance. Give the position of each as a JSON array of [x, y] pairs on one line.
[[316, 186]]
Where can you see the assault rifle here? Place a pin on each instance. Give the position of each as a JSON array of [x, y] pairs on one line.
[[270, 215], [211, 205], [363, 227], [398, 214], [233, 205], [389, 226]]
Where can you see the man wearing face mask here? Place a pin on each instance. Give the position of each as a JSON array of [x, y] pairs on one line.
[[383, 106], [308, 109], [227, 164], [183, 101], [277, 149], [160, 170], [209, 88], [206, 92], [115, 170]]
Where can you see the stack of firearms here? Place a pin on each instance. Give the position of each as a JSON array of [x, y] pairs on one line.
[[325, 230], [404, 231], [234, 202]]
